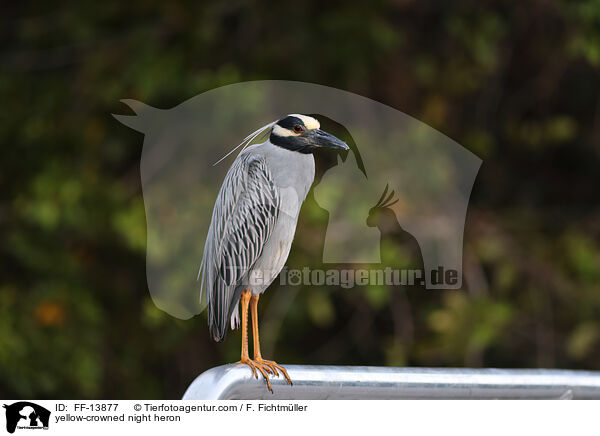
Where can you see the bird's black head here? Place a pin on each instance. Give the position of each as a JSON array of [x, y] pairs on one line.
[[301, 133]]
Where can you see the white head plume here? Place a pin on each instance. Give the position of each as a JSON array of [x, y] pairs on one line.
[[247, 140]]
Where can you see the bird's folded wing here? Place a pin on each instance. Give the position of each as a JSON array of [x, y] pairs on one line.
[[243, 218]]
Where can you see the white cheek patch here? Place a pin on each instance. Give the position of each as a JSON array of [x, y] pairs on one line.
[[280, 131], [309, 122]]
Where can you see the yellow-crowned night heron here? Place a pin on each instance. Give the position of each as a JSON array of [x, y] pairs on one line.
[[253, 225]]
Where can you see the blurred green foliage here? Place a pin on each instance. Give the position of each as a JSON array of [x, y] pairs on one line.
[[517, 83]]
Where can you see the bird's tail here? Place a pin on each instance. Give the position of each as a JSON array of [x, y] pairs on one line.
[[217, 323], [217, 333]]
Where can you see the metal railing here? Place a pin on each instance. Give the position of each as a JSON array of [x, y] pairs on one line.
[[235, 381]]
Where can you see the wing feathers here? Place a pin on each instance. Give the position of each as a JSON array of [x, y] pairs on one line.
[[244, 216]]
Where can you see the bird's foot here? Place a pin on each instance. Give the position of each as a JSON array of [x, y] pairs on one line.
[[262, 366], [274, 366]]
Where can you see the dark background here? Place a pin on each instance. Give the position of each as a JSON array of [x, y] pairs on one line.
[[517, 83]]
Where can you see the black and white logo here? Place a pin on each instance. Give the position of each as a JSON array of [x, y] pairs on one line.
[[26, 415]]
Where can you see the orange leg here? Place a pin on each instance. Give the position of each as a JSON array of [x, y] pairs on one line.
[[273, 366], [245, 359]]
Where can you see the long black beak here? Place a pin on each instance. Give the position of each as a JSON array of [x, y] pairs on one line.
[[319, 138]]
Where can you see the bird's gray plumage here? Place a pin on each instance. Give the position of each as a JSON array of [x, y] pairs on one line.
[[252, 227], [255, 215]]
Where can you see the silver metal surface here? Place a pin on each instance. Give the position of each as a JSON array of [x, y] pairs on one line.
[[235, 381]]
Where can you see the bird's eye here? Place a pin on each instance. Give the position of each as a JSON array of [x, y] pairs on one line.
[[297, 128]]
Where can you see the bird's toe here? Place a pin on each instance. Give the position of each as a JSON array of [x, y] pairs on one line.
[[275, 366]]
